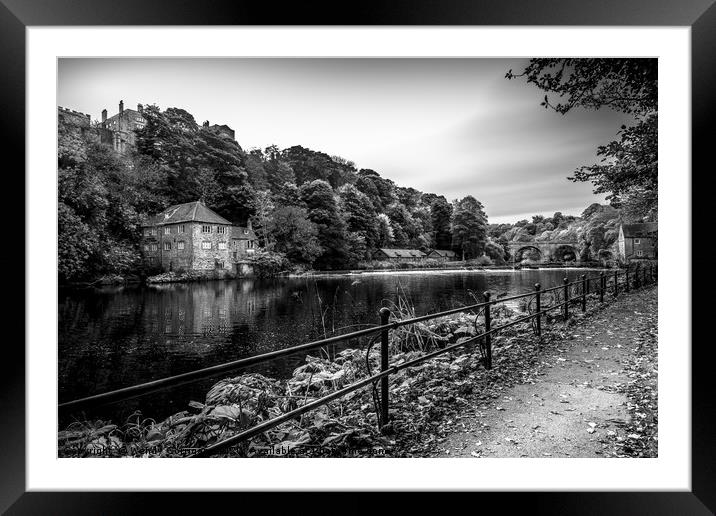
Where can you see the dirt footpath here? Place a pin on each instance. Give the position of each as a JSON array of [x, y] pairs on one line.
[[593, 395]]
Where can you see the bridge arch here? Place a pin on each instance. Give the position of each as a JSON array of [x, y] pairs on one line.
[[565, 253], [528, 252]]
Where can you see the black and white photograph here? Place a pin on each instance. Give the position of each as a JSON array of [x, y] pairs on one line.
[[357, 257]]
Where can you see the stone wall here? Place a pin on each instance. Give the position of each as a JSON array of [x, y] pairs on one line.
[[213, 258], [175, 258], [72, 117]]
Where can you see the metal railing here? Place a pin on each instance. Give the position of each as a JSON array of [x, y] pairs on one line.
[[560, 296]]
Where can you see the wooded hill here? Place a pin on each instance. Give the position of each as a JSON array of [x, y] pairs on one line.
[[309, 209]]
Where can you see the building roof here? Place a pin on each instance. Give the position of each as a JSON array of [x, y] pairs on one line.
[[645, 229], [443, 252], [127, 112], [403, 253], [188, 212], [242, 233]]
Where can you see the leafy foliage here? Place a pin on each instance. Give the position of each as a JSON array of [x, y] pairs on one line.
[[313, 209], [628, 169]]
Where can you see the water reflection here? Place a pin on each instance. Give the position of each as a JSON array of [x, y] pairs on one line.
[[118, 336]]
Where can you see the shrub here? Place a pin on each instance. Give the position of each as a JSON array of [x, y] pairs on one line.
[[480, 261], [269, 263]]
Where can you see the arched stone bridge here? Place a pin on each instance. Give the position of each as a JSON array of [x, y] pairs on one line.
[[546, 251]]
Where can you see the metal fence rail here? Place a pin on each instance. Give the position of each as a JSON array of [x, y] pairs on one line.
[[560, 296]]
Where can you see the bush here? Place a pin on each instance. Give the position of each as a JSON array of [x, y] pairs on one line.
[[480, 261], [269, 263]]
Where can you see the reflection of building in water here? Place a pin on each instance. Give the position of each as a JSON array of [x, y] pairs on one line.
[[188, 317]]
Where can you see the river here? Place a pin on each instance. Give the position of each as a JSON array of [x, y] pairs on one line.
[[113, 337]]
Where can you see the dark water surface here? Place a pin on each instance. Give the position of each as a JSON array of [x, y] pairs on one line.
[[114, 337]]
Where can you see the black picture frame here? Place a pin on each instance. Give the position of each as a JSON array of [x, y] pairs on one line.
[[700, 15]]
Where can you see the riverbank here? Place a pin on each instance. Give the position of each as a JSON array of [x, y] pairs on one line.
[[430, 401], [385, 267]]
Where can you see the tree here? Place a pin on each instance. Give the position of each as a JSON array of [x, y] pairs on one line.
[[385, 231], [255, 170], [263, 212], [405, 232], [199, 162], [628, 172], [324, 213], [360, 217], [294, 235], [627, 85], [496, 253], [628, 169], [469, 227], [440, 214]]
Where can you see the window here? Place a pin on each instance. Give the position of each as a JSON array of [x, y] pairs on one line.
[[146, 248], [221, 229], [222, 246], [182, 228], [167, 230], [206, 245], [251, 244], [167, 246], [640, 253], [637, 241], [147, 232], [180, 246], [206, 229], [154, 247], [153, 231]]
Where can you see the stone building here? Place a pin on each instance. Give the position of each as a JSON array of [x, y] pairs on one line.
[[223, 129], [190, 236], [442, 255], [122, 125], [637, 241], [399, 255]]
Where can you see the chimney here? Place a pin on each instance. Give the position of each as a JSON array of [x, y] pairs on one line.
[[140, 108], [248, 224], [206, 123], [121, 107], [104, 117]]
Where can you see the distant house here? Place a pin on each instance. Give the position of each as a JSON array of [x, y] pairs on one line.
[[442, 254], [399, 255], [637, 241], [190, 236]]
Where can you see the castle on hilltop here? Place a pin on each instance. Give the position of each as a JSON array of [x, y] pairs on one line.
[[118, 130]]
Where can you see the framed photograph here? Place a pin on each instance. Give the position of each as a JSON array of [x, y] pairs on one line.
[[415, 249]]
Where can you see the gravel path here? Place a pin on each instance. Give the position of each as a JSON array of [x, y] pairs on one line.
[[593, 395]]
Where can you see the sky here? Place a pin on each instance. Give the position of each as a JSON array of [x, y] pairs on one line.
[[454, 127]]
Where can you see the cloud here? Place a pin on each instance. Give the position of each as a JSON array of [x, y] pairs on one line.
[[454, 127]]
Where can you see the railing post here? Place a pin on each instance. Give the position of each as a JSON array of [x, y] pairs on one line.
[[601, 287], [566, 298], [626, 283], [384, 342], [538, 307], [616, 283], [488, 337], [584, 292]]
